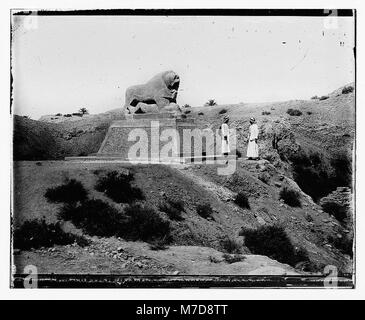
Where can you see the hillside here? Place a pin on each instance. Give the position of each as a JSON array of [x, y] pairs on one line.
[[327, 125], [308, 227], [297, 152]]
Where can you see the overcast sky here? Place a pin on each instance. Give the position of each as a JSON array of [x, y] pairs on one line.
[[62, 63]]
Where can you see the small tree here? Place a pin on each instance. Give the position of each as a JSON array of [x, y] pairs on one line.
[[83, 111], [211, 102]]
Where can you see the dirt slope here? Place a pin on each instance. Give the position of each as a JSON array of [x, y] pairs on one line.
[[193, 185], [326, 126]]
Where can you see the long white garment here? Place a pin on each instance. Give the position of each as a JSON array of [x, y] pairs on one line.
[[252, 148], [225, 138]]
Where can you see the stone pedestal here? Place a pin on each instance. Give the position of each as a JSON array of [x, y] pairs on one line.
[[147, 137]]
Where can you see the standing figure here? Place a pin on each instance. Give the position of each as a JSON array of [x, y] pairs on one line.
[[225, 136], [252, 148]]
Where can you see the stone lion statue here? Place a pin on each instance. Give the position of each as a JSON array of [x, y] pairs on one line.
[[157, 95]]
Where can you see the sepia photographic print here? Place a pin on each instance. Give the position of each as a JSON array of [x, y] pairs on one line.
[[179, 148]]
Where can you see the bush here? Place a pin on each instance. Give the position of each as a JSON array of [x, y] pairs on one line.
[[290, 197], [37, 233], [70, 192], [311, 174], [318, 177], [294, 112], [337, 210], [342, 166], [211, 102], [222, 111], [343, 243], [83, 111], [231, 245], [58, 114], [233, 258], [242, 200], [117, 186], [272, 241], [173, 209], [137, 222], [77, 114], [204, 210], [309, 113], [347, 89], [264, 113], [95, 217], [315, 97], [201, 114], [323, 97], [145, 224], [159, 244], [67, 115]]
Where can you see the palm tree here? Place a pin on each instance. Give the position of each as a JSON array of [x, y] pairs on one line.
[[83, 111], [211, 102]]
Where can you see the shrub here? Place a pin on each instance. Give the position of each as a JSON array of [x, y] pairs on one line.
[[309, 112], [314, 97], [323, 97], [201, 113], [294, 112], [231, 245], [264, 177], [137, 222], [145, 224], [233, 258], [204, 210], [117, 186], [70, 192], [272, 241], [214, 259], [242, 200], [95, 217], [83, 111], [312, 174], [290, 197], [211, 102], [347, 89], [187, 111], [222, 111], [67, 115], [58, 114], [317, 177], [173, 209], [337, 210], [159, 244], [343, 243], [342, 166], [264, 113], [37, 233]]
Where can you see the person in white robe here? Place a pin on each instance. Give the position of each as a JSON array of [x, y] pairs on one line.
[[252, 148], [225, 136]]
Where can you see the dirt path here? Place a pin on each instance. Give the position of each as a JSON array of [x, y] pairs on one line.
[[114, 256]]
